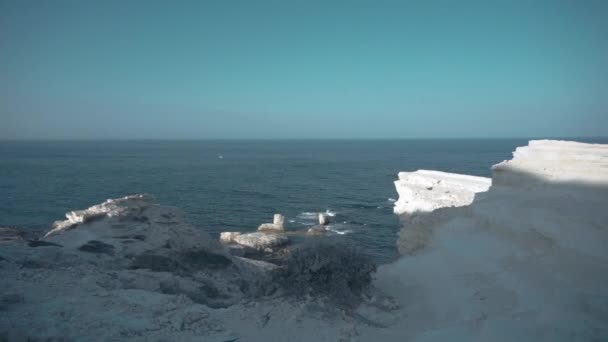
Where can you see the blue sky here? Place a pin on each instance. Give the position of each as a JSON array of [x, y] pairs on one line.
[[138, 69]]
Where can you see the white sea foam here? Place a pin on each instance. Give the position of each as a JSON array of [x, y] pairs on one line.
[[307, 215], [310, 218]]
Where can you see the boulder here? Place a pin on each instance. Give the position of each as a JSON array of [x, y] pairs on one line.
[[277, 224], [323, 219], [278, 220], [261, 241]]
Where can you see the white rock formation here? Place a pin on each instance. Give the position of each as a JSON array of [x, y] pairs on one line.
[[228, 237], [276, 225], [555, 162], [278, 220], [527, 261], [261, 240], [424, 190], [323, 219], [110, 208]]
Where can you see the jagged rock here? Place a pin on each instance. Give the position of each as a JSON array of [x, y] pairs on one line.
[[40, 243], [260, 240], [129, 205]]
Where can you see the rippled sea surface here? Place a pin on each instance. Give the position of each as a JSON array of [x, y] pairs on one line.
[[236, 185]]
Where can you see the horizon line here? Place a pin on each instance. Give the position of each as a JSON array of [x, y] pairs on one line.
[[294, 139]]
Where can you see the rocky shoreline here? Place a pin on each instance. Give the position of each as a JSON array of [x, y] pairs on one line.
[[132, 253], [519, 257]]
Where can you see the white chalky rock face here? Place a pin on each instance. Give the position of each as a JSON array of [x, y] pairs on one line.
[[555, 161], [525, 261], [424, 190]]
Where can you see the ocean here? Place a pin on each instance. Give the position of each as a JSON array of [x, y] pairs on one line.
[[238, 184]]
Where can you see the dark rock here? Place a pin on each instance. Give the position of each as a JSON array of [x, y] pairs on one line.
[[330, 268], [6, 301], [141, 219], [13, 298], [155, 263], [40, 243], [170, 286], [139, 237], [211, 291], [209, 296], [95, 246], [29, 263], [11, 234], [202, 259]]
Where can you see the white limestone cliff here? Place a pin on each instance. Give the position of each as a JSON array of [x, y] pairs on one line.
[[423, 191], [527, 261]]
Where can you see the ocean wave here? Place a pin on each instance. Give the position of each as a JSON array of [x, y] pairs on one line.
[[312, 217], [338, 230], [390, 199], [308, 218], [330, 213], [308, 215]]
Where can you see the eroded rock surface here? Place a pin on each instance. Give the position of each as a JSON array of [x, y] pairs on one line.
[[526, 260], [261, 240], [125, 255]]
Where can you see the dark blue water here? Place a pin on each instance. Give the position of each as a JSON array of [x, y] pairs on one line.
[[40, 181]]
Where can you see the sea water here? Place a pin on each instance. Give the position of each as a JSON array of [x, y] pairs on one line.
[[237, 185]]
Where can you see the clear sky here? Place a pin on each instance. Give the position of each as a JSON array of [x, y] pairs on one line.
[[302, 69]]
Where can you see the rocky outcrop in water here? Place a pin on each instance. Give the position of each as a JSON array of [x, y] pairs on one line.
[[261, 241], [276, 226]]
